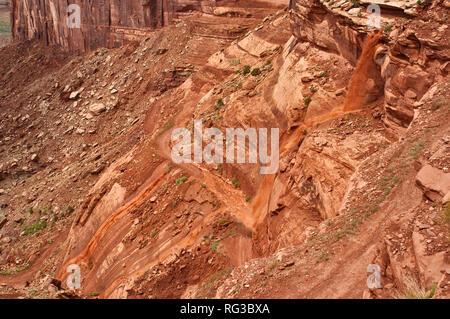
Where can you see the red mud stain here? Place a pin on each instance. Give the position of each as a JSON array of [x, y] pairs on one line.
[[356, 96]]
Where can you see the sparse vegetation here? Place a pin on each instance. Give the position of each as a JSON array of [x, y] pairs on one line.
[[387, 27], [307, 101], [235, 182], [246, 70], [355, 3], [222, 222], [219, 104], [70, 209], [208, 289], [34, 228], [417, 148], [11, 271], [181, 180], [256, 72], [323, 255], [214, 245], [415, 291]]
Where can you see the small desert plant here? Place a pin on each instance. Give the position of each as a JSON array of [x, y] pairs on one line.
[[307, 101], [219, 104], [222, 222], [70, 209], [415, 291], [387, 27], [235, 182], [39, 225], [181, 180], [246, 70], [214, 245], [256, 72]]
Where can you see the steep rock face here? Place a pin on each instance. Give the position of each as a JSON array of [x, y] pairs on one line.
[[103, 23], [111, 23], [410, 62]]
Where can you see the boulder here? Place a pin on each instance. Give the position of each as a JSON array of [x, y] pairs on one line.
[[434, 183], [97, 108]]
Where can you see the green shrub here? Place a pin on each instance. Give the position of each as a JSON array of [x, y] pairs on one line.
[[39, 225], [307, 100], [256, 72], [235, 182], [387, 27], [222, 222]]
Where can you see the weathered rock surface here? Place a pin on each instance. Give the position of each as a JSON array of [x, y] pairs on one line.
[[416, 56], [434, 182], [108, 23], [103, 23]]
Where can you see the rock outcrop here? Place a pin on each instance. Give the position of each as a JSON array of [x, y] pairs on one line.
[[415, 55], [111, 23], [103, 23]]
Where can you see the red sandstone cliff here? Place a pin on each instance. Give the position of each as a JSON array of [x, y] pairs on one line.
[[108, 23], [103, 23]]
